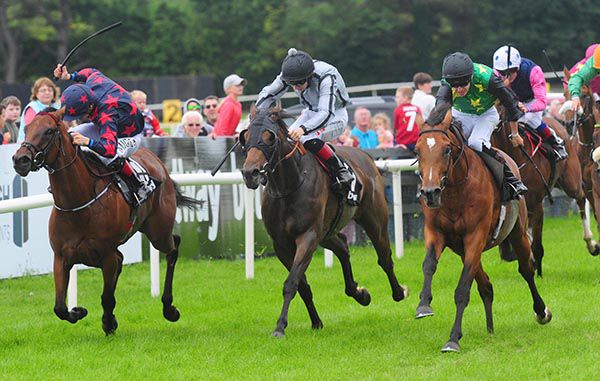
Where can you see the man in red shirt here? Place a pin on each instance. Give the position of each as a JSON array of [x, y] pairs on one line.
[[407, 119], [230, 110]]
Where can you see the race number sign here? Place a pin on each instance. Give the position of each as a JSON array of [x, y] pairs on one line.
[[172, 111]]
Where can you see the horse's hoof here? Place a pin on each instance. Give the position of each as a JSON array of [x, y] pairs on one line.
[[403, 295], [318, 325], [110, 327], [362, 296], [77, 313], [171, 314], [596, 250], [545, 319], [278, 334], [423, 311], [451, 346]]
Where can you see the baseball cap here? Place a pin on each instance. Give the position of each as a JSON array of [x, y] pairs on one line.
[[233, 80]]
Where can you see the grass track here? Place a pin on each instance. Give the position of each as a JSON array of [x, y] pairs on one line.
[[226, 323]]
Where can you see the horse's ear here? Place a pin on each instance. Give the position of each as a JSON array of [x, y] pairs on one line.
[[285, 114], [253, 111], [566, 73], [447, 119], [60, 113]]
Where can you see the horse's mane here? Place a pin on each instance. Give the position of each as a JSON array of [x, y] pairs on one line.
[[438, 113], [49, 109]]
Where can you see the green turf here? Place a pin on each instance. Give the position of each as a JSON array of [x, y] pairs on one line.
[[226, 324]]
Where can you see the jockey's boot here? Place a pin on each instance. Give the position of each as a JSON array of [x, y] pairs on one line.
[[340, 176], [140, 190], [557, 144], [515, 186]]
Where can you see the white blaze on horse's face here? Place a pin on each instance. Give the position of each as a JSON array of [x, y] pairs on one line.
[[430, 143]]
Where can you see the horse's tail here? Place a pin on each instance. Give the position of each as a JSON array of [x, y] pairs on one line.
[[186, 201]]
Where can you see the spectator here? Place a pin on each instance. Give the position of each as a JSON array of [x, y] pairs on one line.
[[210, 112], [362, 131], [230, 110], [151, 124], [5, 136], [345, 139], [386, 139], [191, 125], [192, 104], [381, 122], [422, 96], [12, 112], [43, 94], [407, 119]]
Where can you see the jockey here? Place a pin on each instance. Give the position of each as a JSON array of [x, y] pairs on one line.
[[471, 90], [322, 91], [527, 80], [115, 129], [588, 71]]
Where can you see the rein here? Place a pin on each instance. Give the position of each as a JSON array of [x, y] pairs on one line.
[[454, 161]]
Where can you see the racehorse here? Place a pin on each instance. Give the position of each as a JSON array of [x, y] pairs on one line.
[[300, 212], [537, 174], [583, 130], [462, 210], [90, 219]]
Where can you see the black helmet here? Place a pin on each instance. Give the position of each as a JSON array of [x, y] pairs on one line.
[[457, 68], [296, 66]]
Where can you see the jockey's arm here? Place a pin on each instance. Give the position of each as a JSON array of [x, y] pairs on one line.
[[326, 105], [507, 98], [538, 86], [107, 145], [581, 77], [443, 103], [271, 93]]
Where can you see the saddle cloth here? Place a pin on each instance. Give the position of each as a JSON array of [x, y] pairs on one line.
[[137, 195]]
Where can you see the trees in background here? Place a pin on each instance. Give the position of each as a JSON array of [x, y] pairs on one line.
[[370, 41]]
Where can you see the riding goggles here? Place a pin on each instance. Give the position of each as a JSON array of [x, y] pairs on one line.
[[459, 82]]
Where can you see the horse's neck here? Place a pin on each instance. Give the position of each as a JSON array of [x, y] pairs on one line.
[[72, 185], [586, 131], [285, 178]]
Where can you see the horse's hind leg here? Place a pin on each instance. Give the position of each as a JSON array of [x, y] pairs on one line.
[[486, 291], [588, 236], [375, 224], [303, 288], [61, 281], [170, 312], [339, 245], [536, 222], [111, 269], [520, 243]]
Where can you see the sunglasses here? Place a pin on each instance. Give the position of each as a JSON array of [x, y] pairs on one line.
[[298, 83], [460, 83], [194, 107], [210, 106], [193, 124]]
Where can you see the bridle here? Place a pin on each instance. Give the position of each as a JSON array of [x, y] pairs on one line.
[[452, 161], [39, 154]]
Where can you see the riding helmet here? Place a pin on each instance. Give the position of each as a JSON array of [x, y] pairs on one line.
[[296, 66], [77, 100], [507, 57], [457, 66]]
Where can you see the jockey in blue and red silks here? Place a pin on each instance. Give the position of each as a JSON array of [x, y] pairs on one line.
[[115, 127]]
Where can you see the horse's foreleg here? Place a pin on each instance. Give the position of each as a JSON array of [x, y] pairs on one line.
[[111, 268], [61, 281], [434, 247], [339, 246], [306, 244], [588, 236], [303, 287], [536, 222], [521, 245], [170, 312]]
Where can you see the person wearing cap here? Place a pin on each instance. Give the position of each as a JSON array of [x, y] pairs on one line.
[[114, 131], [322, 91], [470, 90], [526, 80], [587, 72], [230, 110]]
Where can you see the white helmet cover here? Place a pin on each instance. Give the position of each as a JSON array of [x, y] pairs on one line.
[[503, 62]]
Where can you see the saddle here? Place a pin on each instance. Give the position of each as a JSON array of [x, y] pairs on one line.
[[136, 194], [350, 195]]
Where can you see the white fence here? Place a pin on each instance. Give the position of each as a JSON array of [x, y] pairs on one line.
[[394, 166]]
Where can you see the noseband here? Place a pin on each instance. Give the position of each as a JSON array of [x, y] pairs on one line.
[[39, 155]]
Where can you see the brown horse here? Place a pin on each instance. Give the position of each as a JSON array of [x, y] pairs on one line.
[[300, 212], [91, 219], [583, 129], [536, 171], [462, 210]]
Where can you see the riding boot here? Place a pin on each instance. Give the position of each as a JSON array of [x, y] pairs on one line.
[[340, 175], [515, 186], [140, 190], [558, 145]]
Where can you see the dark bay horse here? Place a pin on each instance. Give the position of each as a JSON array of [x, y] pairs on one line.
[[536, 171], [462, 210], [300, 212], [583, 130], [91, 218]]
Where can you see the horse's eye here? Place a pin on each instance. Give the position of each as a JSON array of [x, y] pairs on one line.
[[49, 131], [448, 151]]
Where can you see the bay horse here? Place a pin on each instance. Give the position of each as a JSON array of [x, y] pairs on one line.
[[461, 206], [300, 212], [583, 129], [90, 218], [536, 171]]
